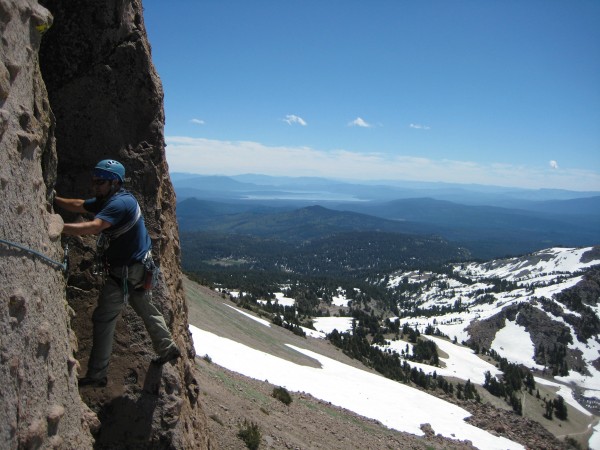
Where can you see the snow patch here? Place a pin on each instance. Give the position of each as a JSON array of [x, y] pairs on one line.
[[514, 343], [283, 300], [257, 319], [328, 324]]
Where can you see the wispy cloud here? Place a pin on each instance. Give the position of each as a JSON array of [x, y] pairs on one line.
[[416, 126], [197, 121], [553, 164], [359, 122], [292, 119], [204, 156]]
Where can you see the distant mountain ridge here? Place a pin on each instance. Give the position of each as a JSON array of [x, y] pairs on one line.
[[311, 222], [486, 231]]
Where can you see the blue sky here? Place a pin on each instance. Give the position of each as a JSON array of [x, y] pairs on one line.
[[469, 91]]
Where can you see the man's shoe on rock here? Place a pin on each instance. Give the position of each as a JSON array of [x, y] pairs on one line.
[[93, 382], [171, 355]]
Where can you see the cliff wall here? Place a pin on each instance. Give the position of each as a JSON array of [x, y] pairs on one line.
[[97, 95], [40, 405]]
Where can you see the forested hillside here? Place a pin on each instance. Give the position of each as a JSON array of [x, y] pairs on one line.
[[485, 231], [347, 255]]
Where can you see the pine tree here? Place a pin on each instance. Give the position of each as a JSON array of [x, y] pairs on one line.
[[549, 408], [560, 408], [516, 404]]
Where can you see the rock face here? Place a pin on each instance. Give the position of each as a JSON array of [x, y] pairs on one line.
[[103, 100], [40, 403]]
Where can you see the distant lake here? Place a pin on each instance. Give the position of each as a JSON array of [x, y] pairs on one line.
[[302, 195]]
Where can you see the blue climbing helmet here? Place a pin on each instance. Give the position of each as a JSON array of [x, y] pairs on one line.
[[109, 169]]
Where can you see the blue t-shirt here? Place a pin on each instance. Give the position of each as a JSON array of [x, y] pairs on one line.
[[120, 210]]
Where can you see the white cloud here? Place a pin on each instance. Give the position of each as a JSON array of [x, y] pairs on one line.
[[416, 126], [291, 119], [553, 164], [359, 122], [205, 156], [197, 121]]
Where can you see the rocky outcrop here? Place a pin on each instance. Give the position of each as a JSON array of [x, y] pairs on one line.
[[519, 429], [97, 96], [40, 402]]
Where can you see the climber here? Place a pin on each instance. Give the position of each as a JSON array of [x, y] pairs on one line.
[[124, 247]]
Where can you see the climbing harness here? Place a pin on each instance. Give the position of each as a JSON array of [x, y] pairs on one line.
[[148, 282], [64, 266]]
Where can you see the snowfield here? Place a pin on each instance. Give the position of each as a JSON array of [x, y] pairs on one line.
[[551, 261], [395, 405]]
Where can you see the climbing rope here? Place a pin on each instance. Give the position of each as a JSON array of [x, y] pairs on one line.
[[64, 266]]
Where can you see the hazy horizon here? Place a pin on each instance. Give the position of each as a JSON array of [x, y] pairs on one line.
[[383, 182]]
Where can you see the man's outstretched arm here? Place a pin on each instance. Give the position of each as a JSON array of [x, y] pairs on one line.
[[70, 204], [84, 228]]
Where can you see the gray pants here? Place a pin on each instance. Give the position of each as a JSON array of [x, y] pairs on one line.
[[105, 316]]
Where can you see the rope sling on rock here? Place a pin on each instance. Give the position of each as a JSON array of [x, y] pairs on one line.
[[64, 266]]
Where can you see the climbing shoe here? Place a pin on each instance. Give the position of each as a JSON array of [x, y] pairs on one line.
[[93, 382], [171, 355]]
